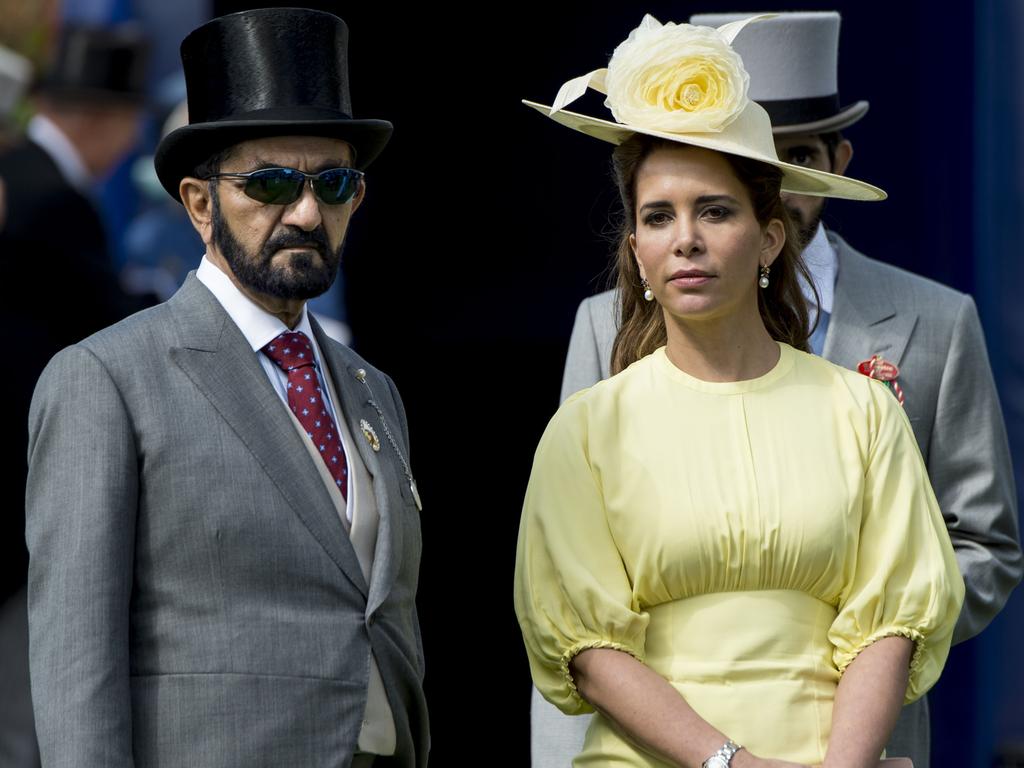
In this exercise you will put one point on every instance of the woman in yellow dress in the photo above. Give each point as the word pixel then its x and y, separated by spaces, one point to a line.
pixel 730 549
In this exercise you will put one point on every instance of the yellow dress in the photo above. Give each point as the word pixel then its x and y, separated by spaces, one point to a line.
pixel 743 539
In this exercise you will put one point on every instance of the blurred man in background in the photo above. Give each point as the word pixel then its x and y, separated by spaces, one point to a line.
pixel 60 277
pixel 87 115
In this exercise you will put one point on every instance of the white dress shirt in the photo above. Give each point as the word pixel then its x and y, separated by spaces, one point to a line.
pixel 820 258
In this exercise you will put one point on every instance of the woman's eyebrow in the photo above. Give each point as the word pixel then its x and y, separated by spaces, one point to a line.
pixel 702 200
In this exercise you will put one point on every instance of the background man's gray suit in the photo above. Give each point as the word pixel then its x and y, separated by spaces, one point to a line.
pixel 932 333
pixel 197 601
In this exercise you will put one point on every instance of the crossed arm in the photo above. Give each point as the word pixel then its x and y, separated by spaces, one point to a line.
pixel 653 715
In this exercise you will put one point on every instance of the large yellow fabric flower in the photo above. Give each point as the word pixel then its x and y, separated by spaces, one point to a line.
pixel 676 78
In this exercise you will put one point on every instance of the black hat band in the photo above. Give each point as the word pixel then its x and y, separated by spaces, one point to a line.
pixel 799 111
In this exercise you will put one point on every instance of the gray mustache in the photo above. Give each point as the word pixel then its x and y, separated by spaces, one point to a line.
pixel 316 238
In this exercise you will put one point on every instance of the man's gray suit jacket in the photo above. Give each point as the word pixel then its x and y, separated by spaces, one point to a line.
pixel 194 599
pixel 932 333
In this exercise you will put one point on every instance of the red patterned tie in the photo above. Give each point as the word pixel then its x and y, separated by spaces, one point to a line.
pixel 293 354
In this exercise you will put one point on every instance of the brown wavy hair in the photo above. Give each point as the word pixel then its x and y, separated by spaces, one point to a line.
pixel 782 304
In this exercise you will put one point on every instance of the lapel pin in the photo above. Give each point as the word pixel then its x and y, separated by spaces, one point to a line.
pixel 877 367
pixel 369 434
pixel 361 374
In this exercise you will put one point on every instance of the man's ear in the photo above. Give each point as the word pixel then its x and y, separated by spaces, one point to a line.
pixel 844 153
pixel 195 196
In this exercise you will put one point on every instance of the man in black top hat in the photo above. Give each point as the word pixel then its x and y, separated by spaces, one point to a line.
pixel 222 518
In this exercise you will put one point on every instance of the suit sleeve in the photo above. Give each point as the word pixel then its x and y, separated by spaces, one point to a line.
pixel 583 361
pixel 81 503
pixel 971 472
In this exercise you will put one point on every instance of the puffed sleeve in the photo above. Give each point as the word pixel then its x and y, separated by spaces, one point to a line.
pixel 903 578
pixel 572 591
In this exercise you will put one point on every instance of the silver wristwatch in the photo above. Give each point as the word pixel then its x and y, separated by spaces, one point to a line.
pixel 723 756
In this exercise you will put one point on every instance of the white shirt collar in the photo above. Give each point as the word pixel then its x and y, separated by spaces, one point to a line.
pixel 44 132
pixel 820 258
pixel 257 325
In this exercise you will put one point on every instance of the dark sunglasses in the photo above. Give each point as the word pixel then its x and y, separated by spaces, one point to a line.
pixel 283 186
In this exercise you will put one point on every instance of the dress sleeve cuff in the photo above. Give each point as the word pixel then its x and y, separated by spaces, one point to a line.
pixel 579 705
pixel 844 659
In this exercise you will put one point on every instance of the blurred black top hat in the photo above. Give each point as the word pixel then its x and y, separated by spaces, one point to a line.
pixel 98 64
pixel 260 73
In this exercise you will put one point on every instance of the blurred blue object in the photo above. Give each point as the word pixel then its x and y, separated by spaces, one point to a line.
pixel 94 11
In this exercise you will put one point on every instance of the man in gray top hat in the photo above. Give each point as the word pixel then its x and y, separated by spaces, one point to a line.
pixel 872 317
pixel 222 521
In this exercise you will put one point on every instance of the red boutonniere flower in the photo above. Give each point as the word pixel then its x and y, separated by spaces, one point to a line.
pixel 877 367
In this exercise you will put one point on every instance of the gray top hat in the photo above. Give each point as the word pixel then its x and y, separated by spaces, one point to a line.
pixel 792 60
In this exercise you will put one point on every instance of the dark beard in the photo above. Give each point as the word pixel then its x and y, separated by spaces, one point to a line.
pixel 303 279
pixel 805 229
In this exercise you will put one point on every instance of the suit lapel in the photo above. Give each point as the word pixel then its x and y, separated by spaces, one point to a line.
pixel 217 358
pixel 866 318
pixel 355 407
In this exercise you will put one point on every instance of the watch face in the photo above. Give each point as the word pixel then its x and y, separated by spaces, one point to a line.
pixel 716 761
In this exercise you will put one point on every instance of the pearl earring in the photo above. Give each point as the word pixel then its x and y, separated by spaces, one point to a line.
pixel 763 279
pixel 648 293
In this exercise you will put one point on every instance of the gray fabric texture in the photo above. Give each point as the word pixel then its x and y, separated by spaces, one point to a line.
pixel 18 747
pixel 193 596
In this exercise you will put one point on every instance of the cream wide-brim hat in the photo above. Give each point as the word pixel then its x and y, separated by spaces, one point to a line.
pixel 749 134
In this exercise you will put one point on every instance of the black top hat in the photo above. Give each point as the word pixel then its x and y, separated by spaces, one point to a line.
pixel 260 73
pixel 99 64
